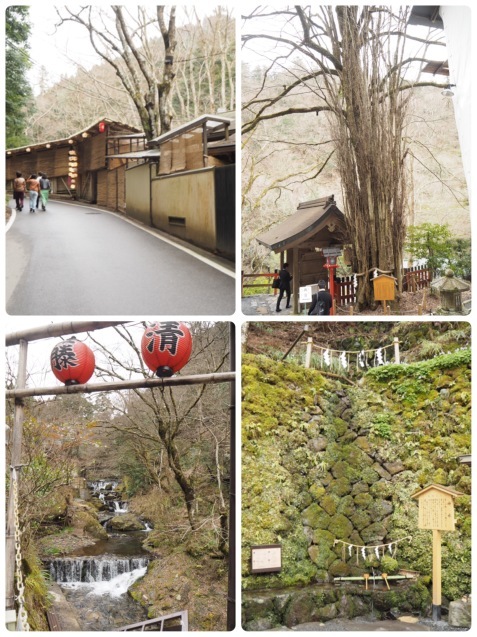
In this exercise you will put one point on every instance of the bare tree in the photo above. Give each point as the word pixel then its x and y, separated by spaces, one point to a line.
pixel 353 72
pixel 124 42
pixel 176 423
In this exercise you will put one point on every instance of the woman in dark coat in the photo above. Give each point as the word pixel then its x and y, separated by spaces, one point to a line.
pixel 285 281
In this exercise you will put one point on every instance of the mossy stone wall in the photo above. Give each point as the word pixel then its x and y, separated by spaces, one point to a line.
pixel 323 460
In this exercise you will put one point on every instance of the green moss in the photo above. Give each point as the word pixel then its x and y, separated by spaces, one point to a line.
pixel 360 520
pixel 389 565
pixel 37 599
pixel 317 491
pixel 329 503
pixel 363 500
pixel 340 487
pixel 315 517
pixel 341 527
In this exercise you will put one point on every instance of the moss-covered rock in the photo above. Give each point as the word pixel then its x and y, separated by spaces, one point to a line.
pixel 316 517
pixel 340 526
pixel 340 487
pixel 85 521
pixel 126 522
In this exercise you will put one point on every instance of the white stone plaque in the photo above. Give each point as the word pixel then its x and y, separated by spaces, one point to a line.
pixel 266 558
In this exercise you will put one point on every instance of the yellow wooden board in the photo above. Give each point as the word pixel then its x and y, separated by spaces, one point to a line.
pixel 384 288
pixel 436 511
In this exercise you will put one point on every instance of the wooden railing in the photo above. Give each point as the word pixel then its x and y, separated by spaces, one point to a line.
pixel 268 285
pixel 178 622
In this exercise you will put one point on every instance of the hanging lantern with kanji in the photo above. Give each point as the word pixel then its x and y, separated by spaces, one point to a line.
pixel 72 362
pixel 166 347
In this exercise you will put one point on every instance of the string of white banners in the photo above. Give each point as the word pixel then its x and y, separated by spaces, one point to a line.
pixel 379 357
pixel 379 550
pixel 355 276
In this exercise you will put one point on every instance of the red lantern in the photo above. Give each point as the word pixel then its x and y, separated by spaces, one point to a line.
pixel 166 347
pixel 102 127
pixel 72 362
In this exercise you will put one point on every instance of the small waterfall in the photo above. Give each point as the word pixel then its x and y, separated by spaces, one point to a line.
pixel 78 569
pixel 147 527
pixel 120 507
pixel 102 485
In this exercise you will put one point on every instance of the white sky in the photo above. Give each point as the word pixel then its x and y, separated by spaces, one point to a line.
pixel 56 49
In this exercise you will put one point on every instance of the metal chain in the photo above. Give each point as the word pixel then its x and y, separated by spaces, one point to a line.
pixel 22 614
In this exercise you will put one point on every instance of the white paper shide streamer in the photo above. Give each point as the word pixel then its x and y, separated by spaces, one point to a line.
pixel 379 356
pixel 343 360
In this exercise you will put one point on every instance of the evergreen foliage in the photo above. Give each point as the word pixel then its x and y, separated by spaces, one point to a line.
pixel 435 243
pixel 18 92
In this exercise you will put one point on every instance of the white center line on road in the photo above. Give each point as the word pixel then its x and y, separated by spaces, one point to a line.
pixel 154 233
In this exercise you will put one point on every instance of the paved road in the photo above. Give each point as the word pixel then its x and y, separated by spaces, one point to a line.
pixel 80 260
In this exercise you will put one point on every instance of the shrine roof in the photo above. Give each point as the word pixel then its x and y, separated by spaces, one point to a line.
pixel 309 218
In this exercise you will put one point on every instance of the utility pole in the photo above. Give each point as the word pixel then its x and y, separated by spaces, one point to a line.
pixel 15 461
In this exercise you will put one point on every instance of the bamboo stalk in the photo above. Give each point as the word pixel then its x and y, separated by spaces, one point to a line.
pixel 143 383
pixel 373 577
pixel 57 329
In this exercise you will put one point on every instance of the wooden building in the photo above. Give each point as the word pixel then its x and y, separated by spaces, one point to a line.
pixel 300 240
pixel 184 183
pixel 78 166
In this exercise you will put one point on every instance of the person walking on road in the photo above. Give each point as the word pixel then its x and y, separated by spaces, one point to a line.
pixel 33 187
pixel 285 280
pixel 19 187
pixel 45 188
pixel 40 175
pixel 321 302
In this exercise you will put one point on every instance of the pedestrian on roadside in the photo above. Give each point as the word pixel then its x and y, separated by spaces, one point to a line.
pixel 45 188
pixel 33 187
pixel 285 280
pixel 40 175
pixel 321 302
pixel 19 187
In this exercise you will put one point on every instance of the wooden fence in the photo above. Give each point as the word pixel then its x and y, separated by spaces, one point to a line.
pixel 416 278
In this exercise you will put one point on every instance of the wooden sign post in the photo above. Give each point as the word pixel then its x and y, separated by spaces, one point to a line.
pixel 383 287
pixel 436 513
